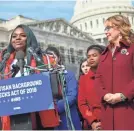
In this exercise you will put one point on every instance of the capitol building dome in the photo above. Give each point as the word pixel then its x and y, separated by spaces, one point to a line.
pixel 89 15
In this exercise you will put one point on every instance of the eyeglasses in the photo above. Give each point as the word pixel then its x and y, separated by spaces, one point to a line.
pixel 108 28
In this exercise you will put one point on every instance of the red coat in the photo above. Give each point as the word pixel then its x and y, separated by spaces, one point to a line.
pixel 116 75
pixel 87 98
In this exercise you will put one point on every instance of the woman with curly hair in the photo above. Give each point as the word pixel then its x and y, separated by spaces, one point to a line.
pixel 114 79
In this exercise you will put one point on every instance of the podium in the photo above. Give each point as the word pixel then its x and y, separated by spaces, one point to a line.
pixel 21 95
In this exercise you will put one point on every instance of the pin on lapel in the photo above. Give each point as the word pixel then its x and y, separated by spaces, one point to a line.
pixel 124 51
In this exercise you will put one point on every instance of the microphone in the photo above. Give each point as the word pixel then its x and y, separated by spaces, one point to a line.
pixel 15 70
pixel 20 57
pixel 5 57
pixel 31 50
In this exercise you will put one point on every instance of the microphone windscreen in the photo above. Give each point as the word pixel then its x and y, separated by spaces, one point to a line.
pixel 20 55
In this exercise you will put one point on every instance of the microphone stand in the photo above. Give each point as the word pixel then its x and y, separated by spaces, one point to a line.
pixel 66 104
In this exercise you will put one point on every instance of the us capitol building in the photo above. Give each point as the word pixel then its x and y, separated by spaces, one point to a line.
pixel 89 15
pixel 71 38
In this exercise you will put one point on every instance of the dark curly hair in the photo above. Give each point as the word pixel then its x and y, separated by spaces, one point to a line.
pixel 99 48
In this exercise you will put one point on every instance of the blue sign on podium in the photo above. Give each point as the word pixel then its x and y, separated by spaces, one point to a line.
pixel 26 94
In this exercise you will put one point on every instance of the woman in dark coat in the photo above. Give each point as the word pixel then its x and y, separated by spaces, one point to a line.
pixel 114 79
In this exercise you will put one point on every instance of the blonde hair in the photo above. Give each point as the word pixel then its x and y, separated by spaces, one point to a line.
pixel 124 27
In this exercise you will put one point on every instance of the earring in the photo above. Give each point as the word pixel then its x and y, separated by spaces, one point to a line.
pixel 120 36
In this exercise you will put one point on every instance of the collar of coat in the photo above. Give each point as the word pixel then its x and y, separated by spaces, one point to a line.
pixel 91 74
pixel 122 44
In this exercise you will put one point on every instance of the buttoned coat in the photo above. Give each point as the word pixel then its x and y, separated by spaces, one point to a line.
pixel 87 98
pixel 115 74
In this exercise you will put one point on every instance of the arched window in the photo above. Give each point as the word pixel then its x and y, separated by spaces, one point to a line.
pixel 62 53
pixel 85 26
pixel 97 22
pixel 72 55
pixel 91 24
pixel 80 55
pixel 103 20
pixel 80 27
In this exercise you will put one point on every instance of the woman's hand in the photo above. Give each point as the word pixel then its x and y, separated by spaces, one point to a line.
pixel 108 97
pixel 96 126
pixel 113 98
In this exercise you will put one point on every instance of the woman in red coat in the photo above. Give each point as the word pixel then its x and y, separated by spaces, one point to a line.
pixel 87 99
pixel 114 80
pixel 83 70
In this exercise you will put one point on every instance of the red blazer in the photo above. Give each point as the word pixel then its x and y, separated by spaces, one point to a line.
pixel 88 102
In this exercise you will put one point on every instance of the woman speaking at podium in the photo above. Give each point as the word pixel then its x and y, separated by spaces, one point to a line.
pixel 21 40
